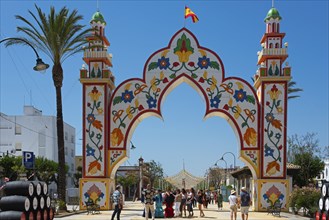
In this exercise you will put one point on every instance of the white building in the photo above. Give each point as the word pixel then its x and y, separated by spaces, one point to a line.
pixel 37 133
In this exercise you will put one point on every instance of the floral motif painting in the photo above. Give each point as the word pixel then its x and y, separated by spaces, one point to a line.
pixel 94 190
pixel 94 131
pixel 185 59
pixel 274 129
pixel 273 191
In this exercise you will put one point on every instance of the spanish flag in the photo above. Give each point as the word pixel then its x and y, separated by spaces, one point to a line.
pixel 190 13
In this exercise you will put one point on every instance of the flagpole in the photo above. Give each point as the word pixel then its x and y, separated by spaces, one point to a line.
pixel 184 17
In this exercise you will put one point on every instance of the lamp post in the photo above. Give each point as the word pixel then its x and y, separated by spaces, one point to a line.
pixel 40 65
pixel 225 167
pixel 141 164
pixel 222 158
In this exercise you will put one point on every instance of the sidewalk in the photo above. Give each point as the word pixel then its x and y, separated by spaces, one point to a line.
pixel 134 210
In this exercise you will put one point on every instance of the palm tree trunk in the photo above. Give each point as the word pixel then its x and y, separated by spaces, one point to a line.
pixel 58 81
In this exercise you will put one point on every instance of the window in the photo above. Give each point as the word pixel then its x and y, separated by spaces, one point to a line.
pixel 66 138
pixel 72 139
pixel 277 45
pixel 18 130
pixel 72 167
pixel 65 150
pixel 18 146
pixel 72 153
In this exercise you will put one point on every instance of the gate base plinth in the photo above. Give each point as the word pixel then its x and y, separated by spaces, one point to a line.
pixel 270 191
pixel 97 190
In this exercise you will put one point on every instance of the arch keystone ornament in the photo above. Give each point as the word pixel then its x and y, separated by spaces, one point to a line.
pixel 257 113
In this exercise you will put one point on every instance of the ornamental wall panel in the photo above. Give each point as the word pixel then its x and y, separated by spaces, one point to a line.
pixel 94 126
pixel 272 191
pixel 274 129
pixel 97 191
pixel 184 60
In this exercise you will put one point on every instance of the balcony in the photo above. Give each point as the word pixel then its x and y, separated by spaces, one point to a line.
pixel 273 52
pixel 96 55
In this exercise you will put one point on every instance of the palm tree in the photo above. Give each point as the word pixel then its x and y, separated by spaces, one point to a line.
pixel 293 90
pixel 59 36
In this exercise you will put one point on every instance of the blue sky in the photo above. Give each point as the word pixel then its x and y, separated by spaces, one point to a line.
pixel 136 29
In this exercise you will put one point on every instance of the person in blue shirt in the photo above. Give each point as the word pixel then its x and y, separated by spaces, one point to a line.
pixel 245 203
pixel 118 202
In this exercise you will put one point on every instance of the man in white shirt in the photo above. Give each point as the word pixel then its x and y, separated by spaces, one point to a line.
pixel 233 200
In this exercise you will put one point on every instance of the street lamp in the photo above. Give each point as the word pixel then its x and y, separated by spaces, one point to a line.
pixel 225 167
pixel 40 66
pixel 222 158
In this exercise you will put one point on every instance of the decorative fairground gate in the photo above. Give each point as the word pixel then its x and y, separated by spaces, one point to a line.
pixel 257 114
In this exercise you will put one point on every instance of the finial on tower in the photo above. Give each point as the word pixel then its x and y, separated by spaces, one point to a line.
pixel 272 3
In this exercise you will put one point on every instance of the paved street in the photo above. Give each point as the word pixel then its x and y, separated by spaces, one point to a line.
pixel 133 211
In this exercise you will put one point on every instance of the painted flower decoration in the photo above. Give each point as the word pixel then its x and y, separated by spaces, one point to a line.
pixel 116 137
pixel 94 167
pixel 94 193
pixel 90 151
pixel 91 118
pixel 94 94
pixel 183 49
pixel 204 62
pixel 272 168
pixel 269 117
pixel 250 137
pixel 214 102
pixel 152 102
pixel 163 63
pixel 240 95
pixel 127 96
pixel 273 194
pixel 95 123
pixel 274 93
pixel 268 151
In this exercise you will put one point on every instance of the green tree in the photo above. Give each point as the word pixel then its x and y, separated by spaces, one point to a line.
pixel 304 151
pixel 77 176
pixel 12 167
pixel 215 175
pixel 59 36
pixel 45 169
pixel 155 171
pixel 292 90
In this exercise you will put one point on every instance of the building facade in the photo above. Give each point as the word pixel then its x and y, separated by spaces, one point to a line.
pixel 36 133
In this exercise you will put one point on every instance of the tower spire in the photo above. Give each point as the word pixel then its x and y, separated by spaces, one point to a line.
pixel 272 3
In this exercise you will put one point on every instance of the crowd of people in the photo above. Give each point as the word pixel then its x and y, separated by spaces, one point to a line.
pixel 181 202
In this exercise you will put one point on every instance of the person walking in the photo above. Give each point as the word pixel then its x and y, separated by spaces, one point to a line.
pixel 178 201
pixel 201 200
pixel 118 202
pixel 233 201
pixel 169 201
pixel 183 203
pixel 148 201
pixel 220 201
pixel 158 205
pixel 245 203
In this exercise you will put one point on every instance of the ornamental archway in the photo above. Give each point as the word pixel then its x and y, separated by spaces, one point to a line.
pixel 256 113
pixel 184 60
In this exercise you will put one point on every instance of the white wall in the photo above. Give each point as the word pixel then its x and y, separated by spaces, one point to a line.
pixel 37 133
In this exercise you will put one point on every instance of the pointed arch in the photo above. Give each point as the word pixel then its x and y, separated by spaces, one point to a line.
pixel 184 60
